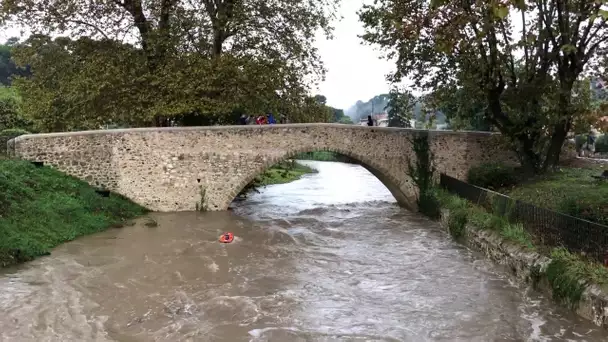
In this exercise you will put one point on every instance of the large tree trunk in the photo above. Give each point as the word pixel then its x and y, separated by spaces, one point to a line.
pixel 561 129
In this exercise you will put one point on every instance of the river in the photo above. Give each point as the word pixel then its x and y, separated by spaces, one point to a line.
pixel 329 257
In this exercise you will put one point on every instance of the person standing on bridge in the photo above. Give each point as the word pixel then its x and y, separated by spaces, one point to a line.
pixel 271 119
pixel 370 122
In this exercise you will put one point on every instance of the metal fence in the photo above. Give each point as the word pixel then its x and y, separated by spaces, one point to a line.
pixel 549 228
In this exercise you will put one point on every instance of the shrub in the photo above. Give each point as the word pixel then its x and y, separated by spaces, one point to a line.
pixel 429 205
pixel 8 134
pixel 579 141
pixel 586 205
pixel 492 176
pixel 601 144
pixel 565 273
pixel 457 222
pixel 517 233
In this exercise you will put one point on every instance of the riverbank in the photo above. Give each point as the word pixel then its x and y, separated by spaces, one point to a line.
pixel 571 191
pixel 284 172
pixel 325 156
pixel 574 191
pixel 41 208
pixel 571 280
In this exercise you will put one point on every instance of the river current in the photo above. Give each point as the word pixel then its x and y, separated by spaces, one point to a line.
pixel 329 257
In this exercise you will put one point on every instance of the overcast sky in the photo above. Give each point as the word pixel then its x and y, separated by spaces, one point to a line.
pixel 354 71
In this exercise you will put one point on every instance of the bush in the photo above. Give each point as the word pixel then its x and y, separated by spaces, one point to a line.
pixel 7 135
pixel 579 141
pixel 587 206
pixel 565 273
pixel 457 222
pixel 492 176
pixel 429 205
pixel 601 144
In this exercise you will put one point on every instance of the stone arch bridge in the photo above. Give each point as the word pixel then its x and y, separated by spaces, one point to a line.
pixel 182 168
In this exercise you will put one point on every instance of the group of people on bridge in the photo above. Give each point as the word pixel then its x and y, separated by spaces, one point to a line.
pixel 268 119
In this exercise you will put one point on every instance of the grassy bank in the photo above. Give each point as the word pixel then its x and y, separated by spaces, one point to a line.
pixel 571 191
pixel 568 274
pixel 41 208
pixel 284 172
pixel 325 156
pixel 463 212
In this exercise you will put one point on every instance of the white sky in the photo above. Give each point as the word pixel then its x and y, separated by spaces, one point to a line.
pixel 354 71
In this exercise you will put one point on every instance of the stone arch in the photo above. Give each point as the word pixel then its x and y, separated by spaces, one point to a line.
pixel 403 198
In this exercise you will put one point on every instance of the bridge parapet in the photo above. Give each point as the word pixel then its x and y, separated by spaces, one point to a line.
pixel 169 169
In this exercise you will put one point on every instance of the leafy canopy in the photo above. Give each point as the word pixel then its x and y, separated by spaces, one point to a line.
pixel 135 63
pixel 521 62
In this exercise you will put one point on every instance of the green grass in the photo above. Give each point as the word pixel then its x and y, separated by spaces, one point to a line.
pixel 284 172
pixel 571 191
pixel 324 156
pixel 466 212
pixel 569 274
pixel 281 173
pixel 41 208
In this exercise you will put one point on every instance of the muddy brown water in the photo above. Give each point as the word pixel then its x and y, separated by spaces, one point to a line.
pixel 327 258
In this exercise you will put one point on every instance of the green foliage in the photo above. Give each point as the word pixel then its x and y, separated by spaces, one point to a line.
pixel 422 172
pixel 492 175
pixel 400 106
pixel 429 205
pixel 10 113
pixel 6 135
pixel 517 233
pixel 8 69
pixel 41 208
pixel 507 73
pixel 325 156
pixel 572 191
pixel 568 275
pixel 457 222
pixel 281 173
pixel 601 144
pixel 191 62
pixel 480 218
pixel 464 108
pixel 423 169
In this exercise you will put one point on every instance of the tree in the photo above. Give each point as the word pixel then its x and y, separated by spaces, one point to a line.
pixel 463 108
pixel 176 58
pixel 526 81
pixel 375 105
pixel 10 115
pixel 8 69
pixel 346 120
pixel 400 108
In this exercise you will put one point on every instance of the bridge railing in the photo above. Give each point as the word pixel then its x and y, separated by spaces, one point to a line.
pixel 548 227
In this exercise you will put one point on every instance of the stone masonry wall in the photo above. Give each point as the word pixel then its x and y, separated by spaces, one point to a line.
pixel 182 168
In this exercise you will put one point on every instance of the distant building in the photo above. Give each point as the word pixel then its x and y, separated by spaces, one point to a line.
pixel 380 120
